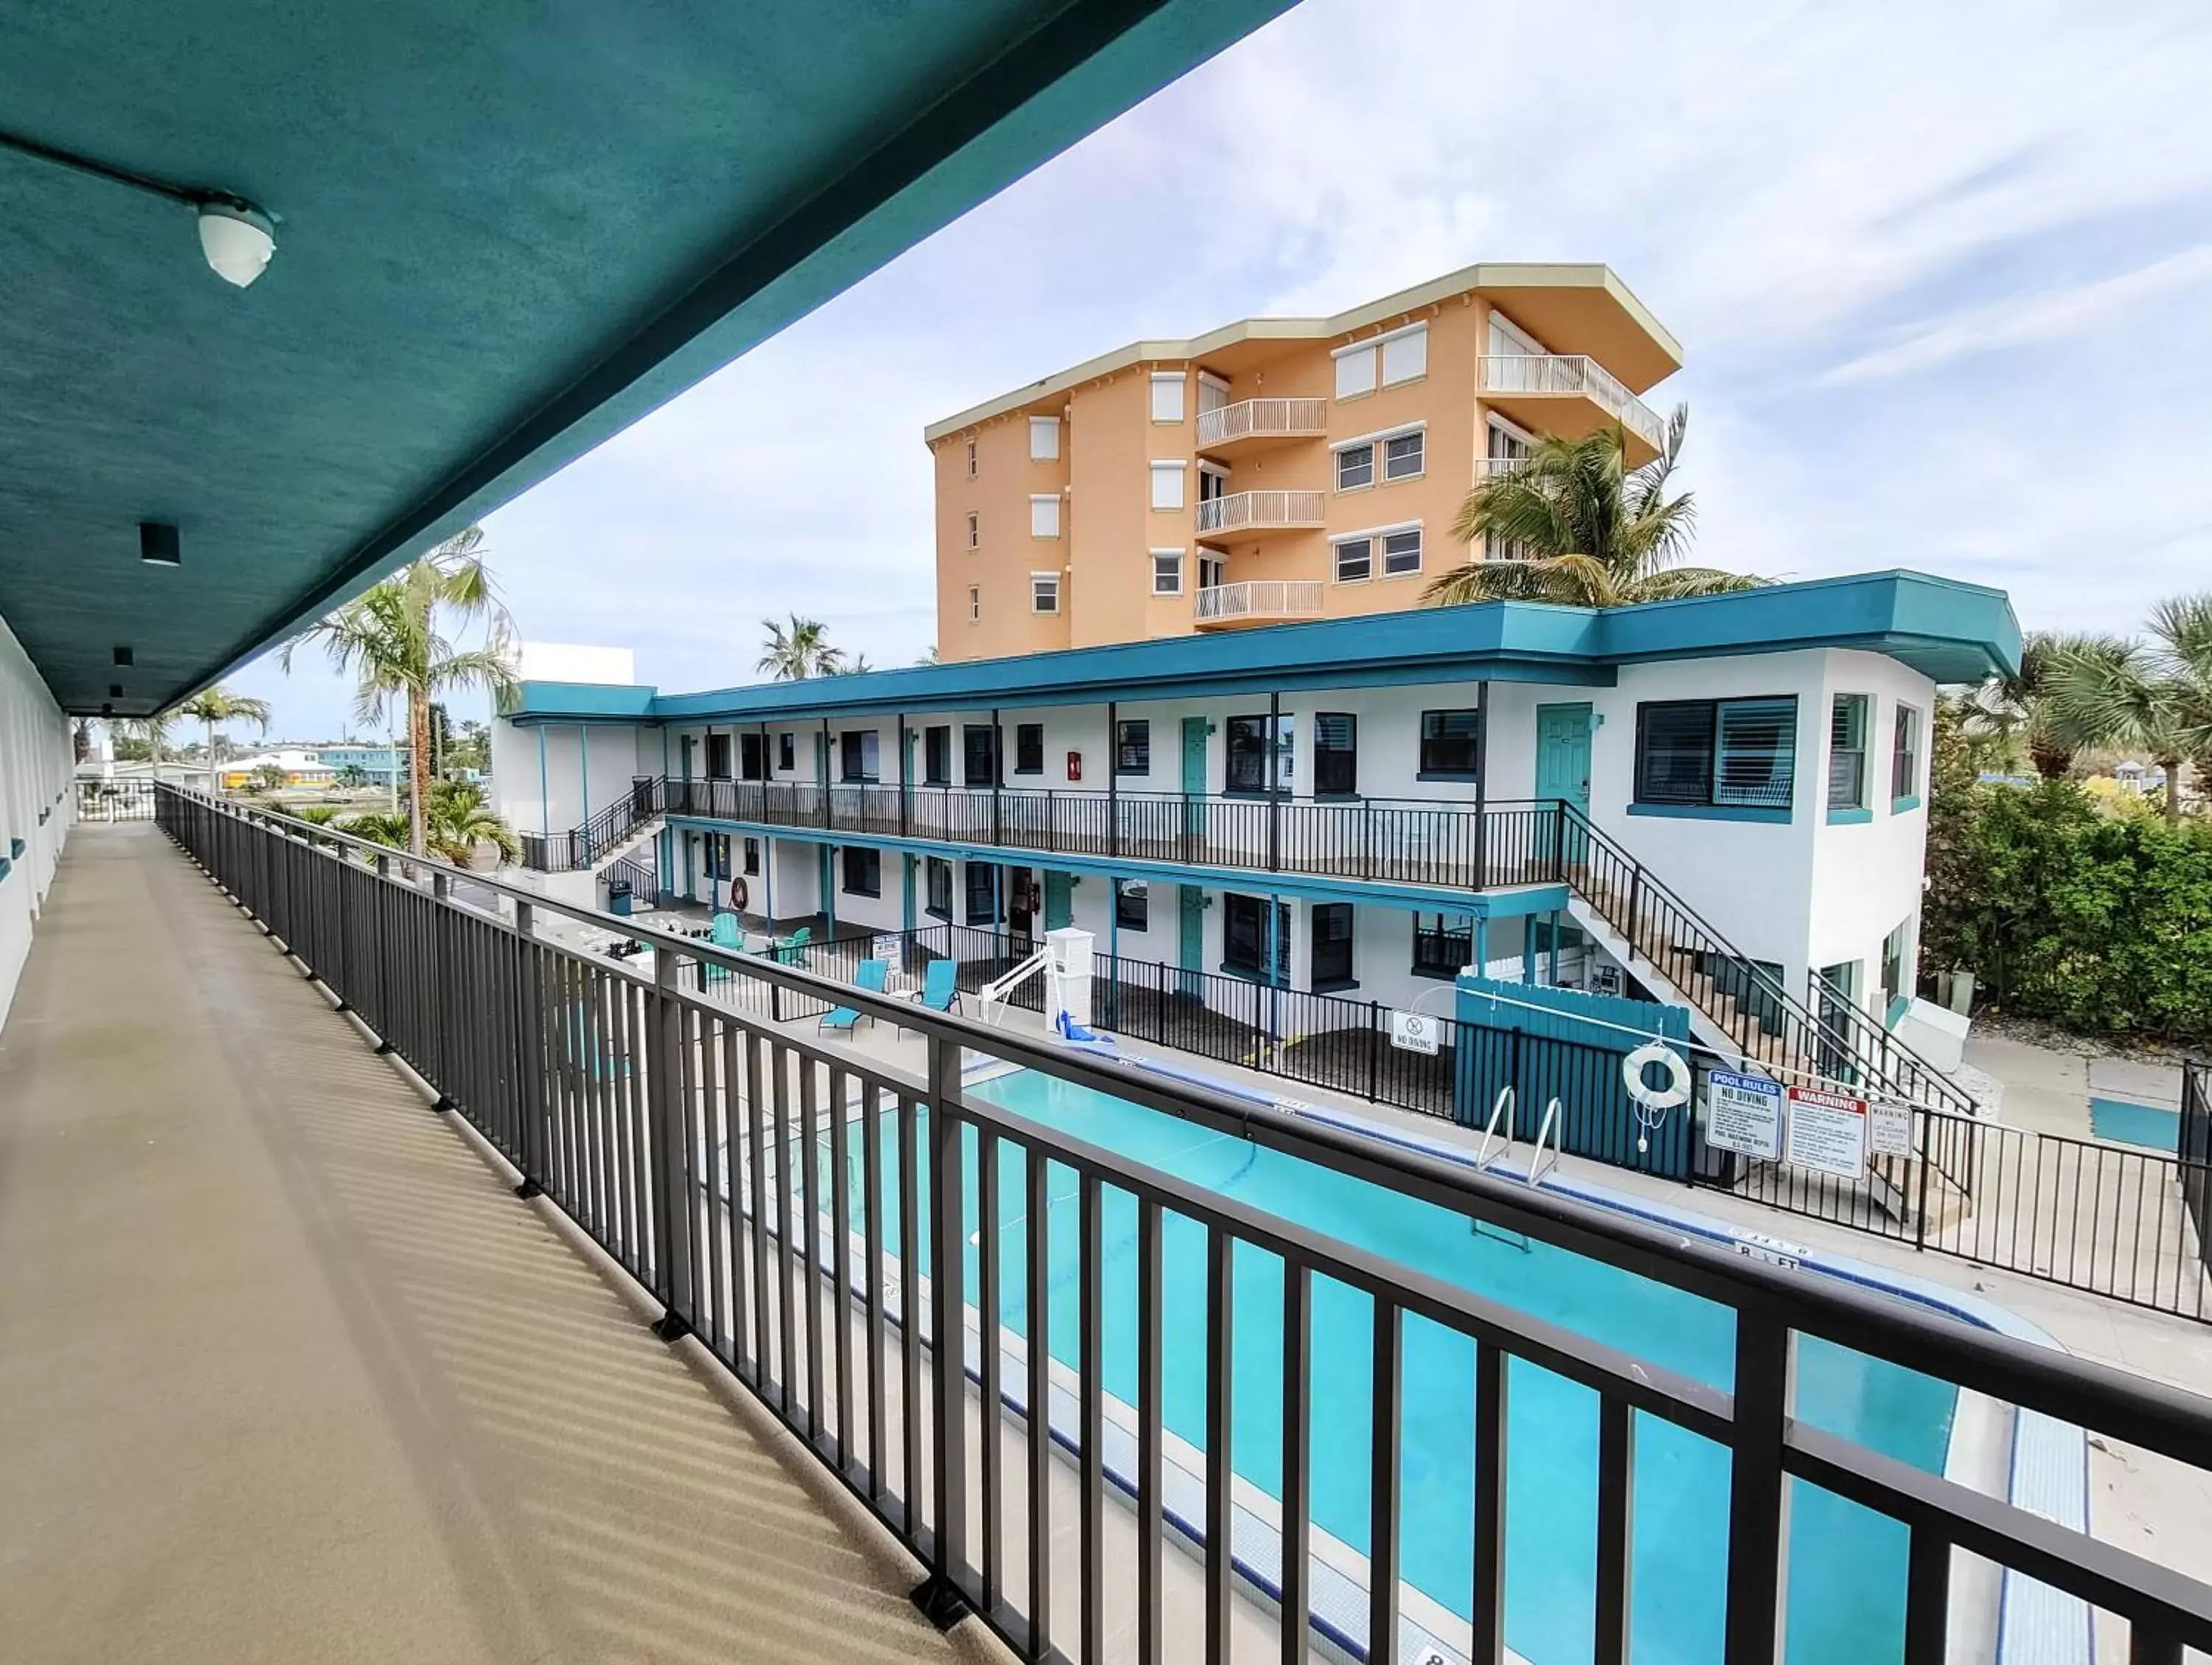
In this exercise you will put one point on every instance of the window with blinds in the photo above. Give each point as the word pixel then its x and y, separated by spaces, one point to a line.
pixel 1405 355
pixel 1716 753
pixel 1336 754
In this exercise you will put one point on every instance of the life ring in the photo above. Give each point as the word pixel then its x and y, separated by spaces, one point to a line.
pixel 739 896
pixel 1677 1090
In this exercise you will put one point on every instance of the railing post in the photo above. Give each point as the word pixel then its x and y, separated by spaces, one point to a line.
pixel 944 1597
pixel 1636 905
pixel 1374 1051
pixel 1275 798
pixel 1560 841
pixel 1758 1492
pixel 668 1126
pixel 1113 795
pixel 530 1020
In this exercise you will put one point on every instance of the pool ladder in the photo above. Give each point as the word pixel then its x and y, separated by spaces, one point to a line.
pixel 1551 1131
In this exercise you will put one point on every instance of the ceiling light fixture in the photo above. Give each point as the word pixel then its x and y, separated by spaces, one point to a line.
pixel 237 237
pixel 122 656
pixel 158 544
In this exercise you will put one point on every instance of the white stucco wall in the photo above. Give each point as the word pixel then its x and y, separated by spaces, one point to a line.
pixel 38 804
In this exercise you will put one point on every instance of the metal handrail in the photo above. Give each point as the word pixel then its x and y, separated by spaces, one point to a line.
pixel 1646 895
pixel 1259 597
pixel 623 1045
pixel 1569 373
pixel 1283 418
pixel 1277 507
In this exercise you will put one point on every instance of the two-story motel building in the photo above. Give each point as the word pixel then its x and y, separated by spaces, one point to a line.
pixel 1759 758
pixel 1273 469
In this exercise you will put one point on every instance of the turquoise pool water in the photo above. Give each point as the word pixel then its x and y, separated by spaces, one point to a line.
pixel 2153 1126
pixel 1846 1599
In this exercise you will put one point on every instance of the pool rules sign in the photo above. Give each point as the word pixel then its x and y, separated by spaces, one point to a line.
pixel 1827 1133
pixel 1743 1114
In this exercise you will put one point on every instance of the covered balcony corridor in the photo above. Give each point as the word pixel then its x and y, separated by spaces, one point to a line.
pixel 288 1373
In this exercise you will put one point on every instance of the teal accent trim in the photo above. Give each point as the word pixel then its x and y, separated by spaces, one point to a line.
pixel 1712 812
pixel 15 848
pixel 6 867
pixel 1899 805
pixel 1949 631
pixel 1494 904
pixel 1899 1006
pixel 1849 818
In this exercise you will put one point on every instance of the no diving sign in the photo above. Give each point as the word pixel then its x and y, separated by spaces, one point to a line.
pixel 1413 1031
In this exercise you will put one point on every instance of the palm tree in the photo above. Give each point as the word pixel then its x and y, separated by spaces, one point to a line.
pixel 803 651
pixel 928 655
pixel 393 638
pixel 2155 695
pixel 1586 529
pixel 2017 710
pixel 857 665
pixel 154 731
pixel 461 820
pixel 211 706
pixel 379 827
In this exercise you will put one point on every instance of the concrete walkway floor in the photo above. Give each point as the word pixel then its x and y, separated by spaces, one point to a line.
pixel 286 1374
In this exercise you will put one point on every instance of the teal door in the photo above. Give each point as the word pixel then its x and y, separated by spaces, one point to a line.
pixel 1191 938
pixel 1563 753
pixel 1059 900
pixel 1563 768
pixel 1193 787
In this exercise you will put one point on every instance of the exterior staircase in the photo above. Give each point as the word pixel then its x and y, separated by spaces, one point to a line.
pixel 1737 1008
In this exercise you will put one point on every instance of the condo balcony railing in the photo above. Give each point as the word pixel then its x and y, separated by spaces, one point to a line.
pixel 1255 419
pixel 1260 598
pixel 1571 373
pixel 1499 468
pixel 1247 511
pixel 858 1237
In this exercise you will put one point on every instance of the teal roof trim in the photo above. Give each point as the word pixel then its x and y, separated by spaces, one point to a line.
pixel 1948 631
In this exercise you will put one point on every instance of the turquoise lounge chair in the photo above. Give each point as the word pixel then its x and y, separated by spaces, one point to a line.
pixel 792 949
pixel 728 933
pixel 941 986
pixel 870 977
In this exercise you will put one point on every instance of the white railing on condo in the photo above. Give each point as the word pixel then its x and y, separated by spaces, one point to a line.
pixel 1263 598
pixel 1260 509
pixel 1285 418
pixel 1497 468
pixel 1552 373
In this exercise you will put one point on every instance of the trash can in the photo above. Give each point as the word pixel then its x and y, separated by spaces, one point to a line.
pixel 618 898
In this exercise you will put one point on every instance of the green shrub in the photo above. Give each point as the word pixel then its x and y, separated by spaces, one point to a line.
pixel 2101 925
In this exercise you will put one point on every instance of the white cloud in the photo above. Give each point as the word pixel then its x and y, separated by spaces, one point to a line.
pixel 1843 212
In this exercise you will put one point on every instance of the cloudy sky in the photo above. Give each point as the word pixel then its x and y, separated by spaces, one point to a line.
pixel 1942 276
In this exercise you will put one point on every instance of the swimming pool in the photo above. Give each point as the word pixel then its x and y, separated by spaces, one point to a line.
pixel 1845 1603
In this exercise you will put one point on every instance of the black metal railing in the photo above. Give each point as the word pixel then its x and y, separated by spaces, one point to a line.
pixel 697 1147
pixel 1433 843
pixel 115 800
pixel 580 846
pixel 2194 1152
pixel 1763 1020
pixel 630 881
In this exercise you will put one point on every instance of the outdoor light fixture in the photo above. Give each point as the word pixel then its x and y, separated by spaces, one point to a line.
pixel 158 544
pixel 107 710
pixel 122 656
pixel 237 237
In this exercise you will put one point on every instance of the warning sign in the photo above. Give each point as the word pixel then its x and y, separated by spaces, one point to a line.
pixel 1743 1113
pixel 1827 1133
pixel 1889 1129
pixel 1413 1031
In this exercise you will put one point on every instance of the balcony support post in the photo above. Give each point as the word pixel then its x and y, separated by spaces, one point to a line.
pixel 1113 770
pixel 667 1107
pixel 906 786
pixel 1274 797
pixel 823 773
pixel 1481 786
pixel 998 775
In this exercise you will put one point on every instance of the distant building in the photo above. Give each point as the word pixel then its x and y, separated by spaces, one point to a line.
pixel 380 764
pixel 1273 469
pixel 299 768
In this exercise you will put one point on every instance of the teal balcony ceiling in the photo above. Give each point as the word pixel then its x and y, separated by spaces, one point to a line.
pixel 503 231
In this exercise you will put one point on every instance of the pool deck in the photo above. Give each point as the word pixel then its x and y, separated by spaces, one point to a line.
pixel 2138 1500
